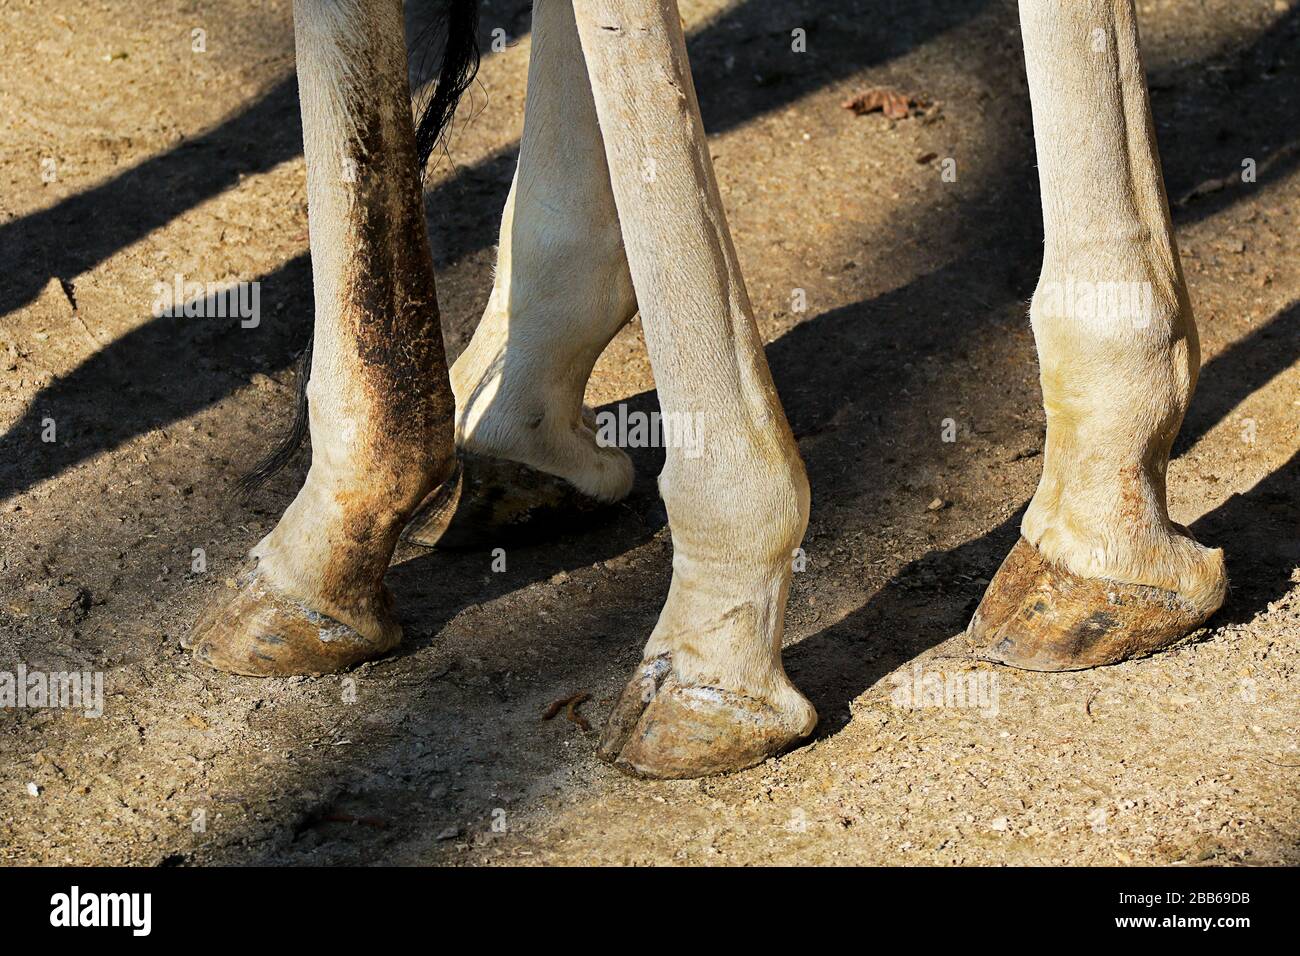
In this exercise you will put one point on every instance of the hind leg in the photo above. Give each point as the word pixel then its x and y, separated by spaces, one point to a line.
pixel 1101 574
pixel 711 694
pixel 561 292
pixel 312 599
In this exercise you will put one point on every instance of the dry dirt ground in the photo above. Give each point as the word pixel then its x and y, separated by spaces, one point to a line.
pixel 161 160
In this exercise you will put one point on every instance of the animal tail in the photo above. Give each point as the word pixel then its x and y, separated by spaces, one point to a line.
pixel 460 61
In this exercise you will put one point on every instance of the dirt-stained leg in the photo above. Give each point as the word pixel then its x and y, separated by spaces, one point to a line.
pixel 1101 574
pixel 312 598
pixel 711 694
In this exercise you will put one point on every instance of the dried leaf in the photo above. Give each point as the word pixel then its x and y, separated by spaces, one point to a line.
pixel 894 104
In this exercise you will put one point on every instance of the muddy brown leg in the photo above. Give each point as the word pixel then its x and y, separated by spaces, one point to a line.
pixel 312 598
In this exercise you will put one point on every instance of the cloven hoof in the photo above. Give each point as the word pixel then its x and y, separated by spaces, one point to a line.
pixel 1041 617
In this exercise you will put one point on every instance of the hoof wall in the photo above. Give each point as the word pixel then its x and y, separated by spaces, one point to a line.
pixel 490 501
pixel 662 729
pixel 1041 617
pixel 259 632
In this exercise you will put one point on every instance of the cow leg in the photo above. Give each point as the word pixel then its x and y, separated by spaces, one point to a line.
pixel 711 694
pixel 312 600
pixel 1101 574
pixel 561 292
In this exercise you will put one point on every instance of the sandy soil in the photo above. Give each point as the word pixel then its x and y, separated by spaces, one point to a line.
pixel 169 161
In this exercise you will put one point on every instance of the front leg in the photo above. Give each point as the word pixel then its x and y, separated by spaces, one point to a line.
pixel 711 694
pixel 1101 574
pixel 381 409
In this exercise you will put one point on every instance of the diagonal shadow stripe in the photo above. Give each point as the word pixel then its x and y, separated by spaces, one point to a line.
pixel 81 231
pixel 1211 116
pixel 1236 372
pixel 151 372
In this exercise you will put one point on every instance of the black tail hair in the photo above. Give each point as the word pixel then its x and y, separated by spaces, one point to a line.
pixel 288 445
pixel 460 62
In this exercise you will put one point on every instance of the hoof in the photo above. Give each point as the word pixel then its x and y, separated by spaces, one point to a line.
pixel 259 632
pixel 490 501
pixel 1040 617
pixel 662 729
